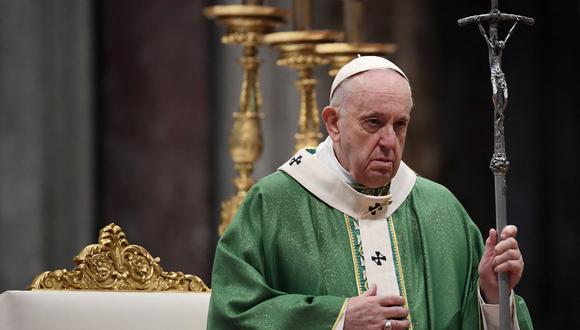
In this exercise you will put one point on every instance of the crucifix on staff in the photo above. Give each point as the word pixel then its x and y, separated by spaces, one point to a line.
pixel 499 162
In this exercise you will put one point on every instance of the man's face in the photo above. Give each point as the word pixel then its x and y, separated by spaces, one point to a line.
pixel 370 129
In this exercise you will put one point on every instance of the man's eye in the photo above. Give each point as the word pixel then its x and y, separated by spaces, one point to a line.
pixel 373 122
pixel 401 124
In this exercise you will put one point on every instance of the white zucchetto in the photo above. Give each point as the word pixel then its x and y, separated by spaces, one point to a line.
pixel 362 64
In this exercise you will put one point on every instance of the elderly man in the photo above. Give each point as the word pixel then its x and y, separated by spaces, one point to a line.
pixel 348 236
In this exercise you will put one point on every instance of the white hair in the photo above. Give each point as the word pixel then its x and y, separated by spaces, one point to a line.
pixel 340 95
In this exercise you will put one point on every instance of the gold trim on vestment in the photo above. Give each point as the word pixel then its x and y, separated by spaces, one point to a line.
pixel 400 267
pixel 340 314
pixel 479 308
pixel 353 252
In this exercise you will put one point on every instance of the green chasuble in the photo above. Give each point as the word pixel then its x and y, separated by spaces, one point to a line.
pixel 289 260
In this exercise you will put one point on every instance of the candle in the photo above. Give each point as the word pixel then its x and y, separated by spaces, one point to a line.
pixel 352 14
pixel 302 18
pixel 252 2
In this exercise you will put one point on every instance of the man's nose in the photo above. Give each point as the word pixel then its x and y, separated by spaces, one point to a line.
pixel 388 138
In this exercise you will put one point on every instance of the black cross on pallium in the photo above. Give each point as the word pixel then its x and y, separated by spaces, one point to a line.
pixel 296 160
pixel 373 209
pixel 378 258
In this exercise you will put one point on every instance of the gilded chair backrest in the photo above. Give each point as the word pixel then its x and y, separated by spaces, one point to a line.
pixel 114 264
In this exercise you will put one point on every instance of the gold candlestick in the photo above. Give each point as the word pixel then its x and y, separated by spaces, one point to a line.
pixel 245 25
pixel 297 52
pixel 302 15
pixel 338 54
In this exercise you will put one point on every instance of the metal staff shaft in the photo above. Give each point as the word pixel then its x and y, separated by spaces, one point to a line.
pixel 503 278
pixel 499 163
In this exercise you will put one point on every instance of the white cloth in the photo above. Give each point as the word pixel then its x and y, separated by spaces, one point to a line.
pixel 314 176
pixel 326 154
pixel 490 313
pixel 97 310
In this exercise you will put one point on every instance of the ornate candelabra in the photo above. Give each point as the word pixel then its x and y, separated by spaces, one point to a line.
pixel 245 25
pixel 338 54
pixel 297 51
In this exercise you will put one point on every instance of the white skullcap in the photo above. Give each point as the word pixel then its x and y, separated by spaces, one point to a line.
pixel 362 64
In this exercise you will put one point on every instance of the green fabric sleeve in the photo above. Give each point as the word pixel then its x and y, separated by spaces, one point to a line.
pixel 472 318
pixel 524 318
pixel 243 297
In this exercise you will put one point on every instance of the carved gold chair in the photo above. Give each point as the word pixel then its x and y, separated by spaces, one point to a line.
pixel 114 264
pixel 114 285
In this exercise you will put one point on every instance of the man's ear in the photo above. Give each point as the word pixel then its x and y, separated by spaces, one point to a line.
pixel 330 117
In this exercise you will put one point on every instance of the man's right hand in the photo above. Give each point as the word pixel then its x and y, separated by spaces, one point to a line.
pixel 369 311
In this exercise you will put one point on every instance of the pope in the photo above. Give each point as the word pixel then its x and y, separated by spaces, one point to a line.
pixel 348 236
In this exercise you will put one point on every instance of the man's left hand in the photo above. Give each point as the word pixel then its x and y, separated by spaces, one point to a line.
pixel 501 257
